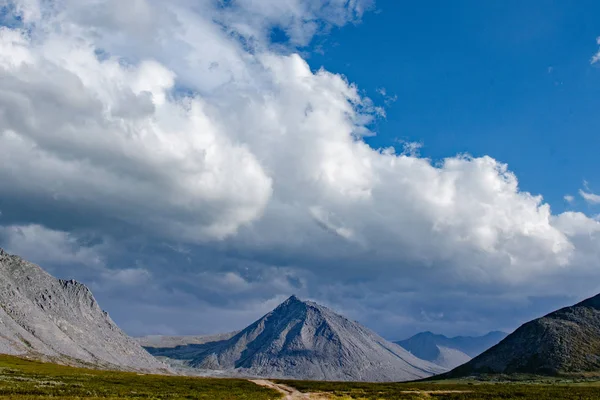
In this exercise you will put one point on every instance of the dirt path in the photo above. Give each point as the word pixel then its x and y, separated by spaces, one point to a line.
pixel 289 393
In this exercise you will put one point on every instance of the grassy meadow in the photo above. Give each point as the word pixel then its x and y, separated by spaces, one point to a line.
pixel 465 390
pixel 28 380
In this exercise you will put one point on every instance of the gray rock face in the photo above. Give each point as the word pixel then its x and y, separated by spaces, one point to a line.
pixel 58 320
pixel 449 352
pixel 449 358
pixel 565 341
pixel 303 340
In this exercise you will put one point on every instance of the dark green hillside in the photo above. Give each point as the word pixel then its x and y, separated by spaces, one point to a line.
pixel 566 341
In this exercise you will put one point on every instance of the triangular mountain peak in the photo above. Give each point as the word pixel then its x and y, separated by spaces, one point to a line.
pixel 293 304
pixel 304 340
pixel 292 300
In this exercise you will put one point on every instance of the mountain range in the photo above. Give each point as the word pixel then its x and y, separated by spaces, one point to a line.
pixel 566 341
pixel 449 352
pixel 59 320
pixel 304 340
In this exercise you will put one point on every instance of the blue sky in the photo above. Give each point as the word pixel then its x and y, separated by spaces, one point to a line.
pixel 196 164
pixel 510 79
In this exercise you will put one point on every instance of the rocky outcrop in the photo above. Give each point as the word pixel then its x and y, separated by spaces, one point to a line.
pixel 59 320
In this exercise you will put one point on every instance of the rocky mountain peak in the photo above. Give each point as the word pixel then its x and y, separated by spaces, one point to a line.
pixel 60 320
pixel 304 340
pixel 292 301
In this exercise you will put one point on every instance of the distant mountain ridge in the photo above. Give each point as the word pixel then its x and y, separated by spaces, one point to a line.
pixel 304 340
pixel 166 341
pixel 562 342
pixel 59 320
pixel 449 352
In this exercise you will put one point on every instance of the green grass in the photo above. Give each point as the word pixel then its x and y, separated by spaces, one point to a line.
pixel 27 380
pixel 458 390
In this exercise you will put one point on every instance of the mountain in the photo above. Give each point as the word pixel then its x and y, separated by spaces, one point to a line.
pixel 564 341
pixel 304 340
pixel 161 341
pixel 449 358
pixel 449 352
pixel 58 320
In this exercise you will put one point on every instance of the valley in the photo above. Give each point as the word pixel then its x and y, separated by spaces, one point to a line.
pixel 22 379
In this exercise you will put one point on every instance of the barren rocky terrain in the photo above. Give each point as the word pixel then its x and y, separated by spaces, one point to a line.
pixel 59 320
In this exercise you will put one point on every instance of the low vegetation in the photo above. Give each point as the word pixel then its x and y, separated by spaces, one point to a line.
pixel 27 380
pixel 458 390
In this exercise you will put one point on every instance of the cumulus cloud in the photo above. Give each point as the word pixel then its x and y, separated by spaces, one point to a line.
pixel 113 137
pixel 301 20
pixel 186 125
pixel 66 252
pixel 48 246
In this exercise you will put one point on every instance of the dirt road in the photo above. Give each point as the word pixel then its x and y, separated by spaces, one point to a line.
pixel 289 393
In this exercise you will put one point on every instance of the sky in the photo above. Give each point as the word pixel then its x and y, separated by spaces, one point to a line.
pixel 412 165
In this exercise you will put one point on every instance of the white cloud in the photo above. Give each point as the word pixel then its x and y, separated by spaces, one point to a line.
pixel 43 245
pixel 127 276
pixel 596 56
pixel 325 220
pixel 111 136
pixel 56 250
pixel 116 138
pixel 300 19
pixel 569 199
pixel 388 99
pixel 411 148
pixel 590 197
